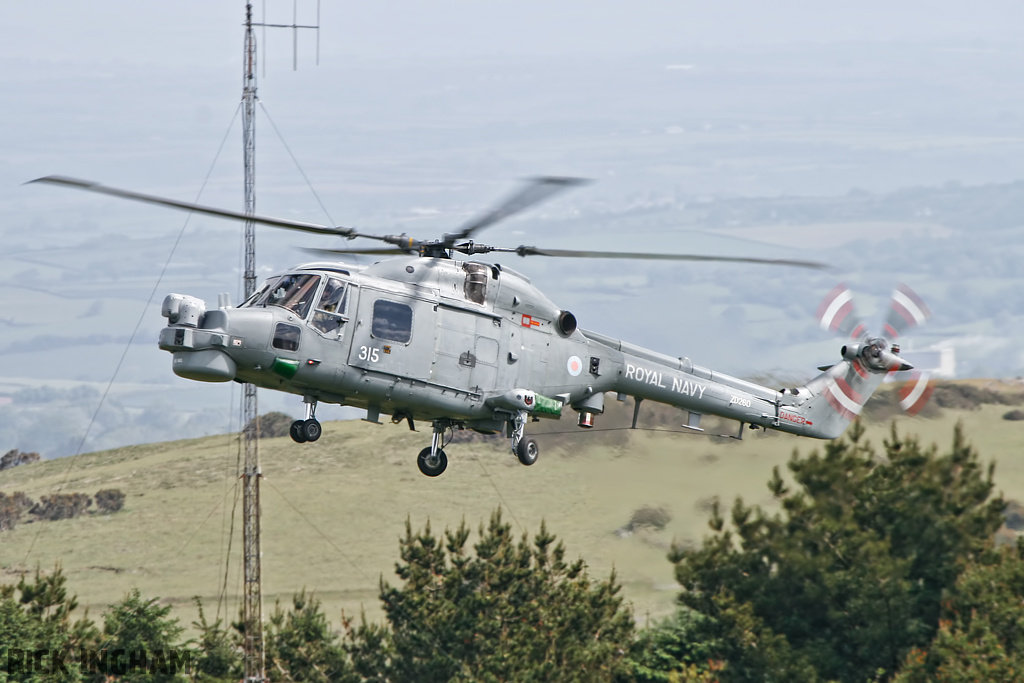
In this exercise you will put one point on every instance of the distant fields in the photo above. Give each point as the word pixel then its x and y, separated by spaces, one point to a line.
pixel 333 510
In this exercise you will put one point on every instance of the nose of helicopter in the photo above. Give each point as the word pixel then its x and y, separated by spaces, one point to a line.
pixel 207 345
pixel 206 365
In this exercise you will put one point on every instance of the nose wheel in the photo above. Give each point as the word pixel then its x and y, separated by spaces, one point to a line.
pixel 309 429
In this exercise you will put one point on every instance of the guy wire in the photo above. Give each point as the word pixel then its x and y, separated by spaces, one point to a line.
pixel 138 324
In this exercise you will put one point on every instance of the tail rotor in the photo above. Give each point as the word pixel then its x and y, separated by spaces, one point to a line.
pixel 879 354
pixel 838 314
pixel 906 310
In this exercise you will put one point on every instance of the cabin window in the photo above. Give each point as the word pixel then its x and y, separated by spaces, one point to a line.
pixel 392 321
pixel 476 282
pixel 294 292
pixel 286 337
pixel 327 319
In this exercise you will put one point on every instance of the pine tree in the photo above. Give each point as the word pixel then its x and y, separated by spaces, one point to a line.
pixel 302 647
pixel 137 625
pixel 851 573
pixel 40 619
pixel 981 633
pixel 506 611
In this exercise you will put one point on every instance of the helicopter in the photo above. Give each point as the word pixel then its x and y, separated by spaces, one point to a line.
pixel 435 335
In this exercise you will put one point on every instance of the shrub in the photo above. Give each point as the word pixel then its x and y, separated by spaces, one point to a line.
pixel 14 457
pixel 274 424
pixel 650 516
pixel 1013 515
pixel 1014 415
pixel 969 397
pixel 61 506
pixel 12 507
pixel 109 500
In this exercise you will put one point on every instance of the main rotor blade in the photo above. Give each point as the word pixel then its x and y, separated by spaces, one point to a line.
pixel 197 208
pixel 536 191
pixel 571 253
pixel 383 251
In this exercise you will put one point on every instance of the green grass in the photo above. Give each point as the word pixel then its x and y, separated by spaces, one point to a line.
pixel 333 510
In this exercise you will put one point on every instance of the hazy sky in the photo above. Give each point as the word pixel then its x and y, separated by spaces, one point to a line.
pixel 192 31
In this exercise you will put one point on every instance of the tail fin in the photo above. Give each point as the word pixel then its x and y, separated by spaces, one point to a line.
pixel 836 397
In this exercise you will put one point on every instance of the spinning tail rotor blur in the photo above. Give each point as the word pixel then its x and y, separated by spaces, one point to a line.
pixel 837 313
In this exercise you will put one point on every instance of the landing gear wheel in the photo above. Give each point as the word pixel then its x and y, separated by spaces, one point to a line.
pixel 297 432
pixel 435 468
pixel 312 430
pixel 527 451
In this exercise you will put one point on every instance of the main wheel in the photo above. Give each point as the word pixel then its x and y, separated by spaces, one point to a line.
pixel 435 468
pixel 311 430
pixel 527 451
pixel 297 432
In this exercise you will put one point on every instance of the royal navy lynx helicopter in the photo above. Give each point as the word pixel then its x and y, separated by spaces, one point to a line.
pixel 435 335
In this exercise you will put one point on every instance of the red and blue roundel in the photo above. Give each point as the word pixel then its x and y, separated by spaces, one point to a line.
pixel 574 366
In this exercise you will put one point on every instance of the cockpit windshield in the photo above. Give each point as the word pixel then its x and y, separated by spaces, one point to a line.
pixel 294 292
pixel 259 295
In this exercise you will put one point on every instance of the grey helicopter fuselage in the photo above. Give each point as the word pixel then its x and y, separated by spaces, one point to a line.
pixel 474 345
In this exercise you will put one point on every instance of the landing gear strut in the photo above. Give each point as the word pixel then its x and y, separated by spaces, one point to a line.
pixel 526 449
pixel 309 429
pixel 432 461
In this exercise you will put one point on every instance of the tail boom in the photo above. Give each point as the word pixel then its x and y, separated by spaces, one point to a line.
pixel 822 409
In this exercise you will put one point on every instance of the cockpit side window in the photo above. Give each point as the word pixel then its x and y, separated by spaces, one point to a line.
pixel 328 317
pixel 294 292
pixel 286 337
pixel 333 299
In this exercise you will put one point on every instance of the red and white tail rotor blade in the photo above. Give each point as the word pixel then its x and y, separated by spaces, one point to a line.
pixel 915 393
pixel 906 309
pixel 837 313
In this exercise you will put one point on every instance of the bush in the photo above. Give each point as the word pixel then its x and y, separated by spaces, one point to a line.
pixel 61 506
pixel 109 500
pixel 958 396
pixel 13 458
pixel 12 507
pixel 274 424
pixel 1013 515
pixel 650 516
pixel 1014 415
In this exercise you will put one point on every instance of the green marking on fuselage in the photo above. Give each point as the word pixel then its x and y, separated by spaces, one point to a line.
pixel 285 367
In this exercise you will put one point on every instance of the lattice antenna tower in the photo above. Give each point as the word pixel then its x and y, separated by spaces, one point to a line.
pixel 252 610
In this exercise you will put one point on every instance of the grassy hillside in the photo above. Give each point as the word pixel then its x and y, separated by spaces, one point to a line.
pixel 333 510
